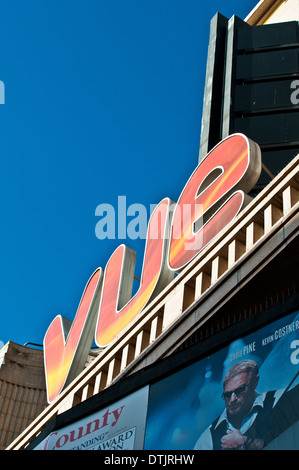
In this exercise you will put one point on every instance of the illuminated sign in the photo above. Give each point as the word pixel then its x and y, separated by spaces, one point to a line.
pixel 116 310
pixel 213 196
pixel 66 345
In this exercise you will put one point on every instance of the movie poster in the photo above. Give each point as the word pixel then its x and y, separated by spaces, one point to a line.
pixel 117 427
pixel 242 397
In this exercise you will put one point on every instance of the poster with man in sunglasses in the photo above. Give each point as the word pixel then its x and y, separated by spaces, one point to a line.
pixel 244 395
pixel 250 419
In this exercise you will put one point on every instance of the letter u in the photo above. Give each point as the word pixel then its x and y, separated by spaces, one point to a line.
pixel 117 308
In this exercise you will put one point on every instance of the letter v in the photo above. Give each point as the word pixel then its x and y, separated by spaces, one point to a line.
pixel 66 345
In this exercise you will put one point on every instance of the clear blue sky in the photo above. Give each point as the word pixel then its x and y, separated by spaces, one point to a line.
pixel 102 99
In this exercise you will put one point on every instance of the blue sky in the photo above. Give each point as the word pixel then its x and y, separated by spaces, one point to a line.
pixel 102 99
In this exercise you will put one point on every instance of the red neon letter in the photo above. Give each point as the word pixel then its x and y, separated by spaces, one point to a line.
pixel 116 309
pixel 66 345
pixel 213 197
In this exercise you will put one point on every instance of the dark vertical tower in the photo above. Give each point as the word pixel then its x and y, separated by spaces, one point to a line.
pixel 250 78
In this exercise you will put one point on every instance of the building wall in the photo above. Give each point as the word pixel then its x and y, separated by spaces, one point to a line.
pixel 22 390
pixel 250 78
pixel 286 11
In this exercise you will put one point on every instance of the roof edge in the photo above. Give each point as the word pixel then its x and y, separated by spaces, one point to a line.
pixel 262 11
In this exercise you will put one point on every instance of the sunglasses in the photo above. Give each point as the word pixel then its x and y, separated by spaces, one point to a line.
pixel 238 391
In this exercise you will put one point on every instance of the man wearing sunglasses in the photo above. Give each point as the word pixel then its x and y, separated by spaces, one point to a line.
pixel 250 419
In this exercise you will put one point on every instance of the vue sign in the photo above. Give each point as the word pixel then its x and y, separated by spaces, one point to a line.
pixel 213 196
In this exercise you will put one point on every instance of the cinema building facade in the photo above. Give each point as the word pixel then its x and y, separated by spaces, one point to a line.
pixel 222 332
